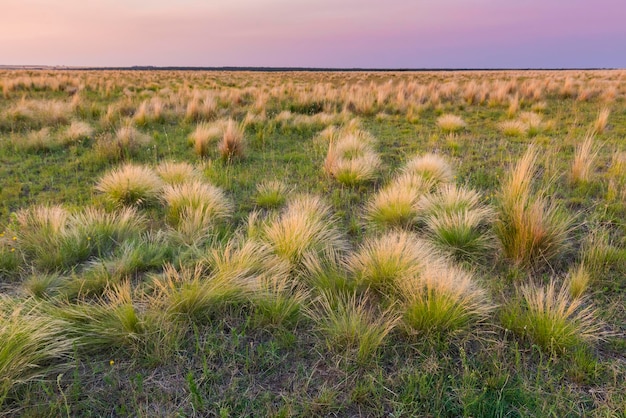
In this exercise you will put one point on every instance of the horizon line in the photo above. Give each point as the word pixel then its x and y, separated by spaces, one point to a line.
pixel 292 69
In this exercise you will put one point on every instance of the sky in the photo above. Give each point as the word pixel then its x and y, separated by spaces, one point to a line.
pixel 315 33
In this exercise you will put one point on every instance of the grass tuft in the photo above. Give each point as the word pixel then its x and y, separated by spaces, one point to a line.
pixel 548 317
pixel 130 185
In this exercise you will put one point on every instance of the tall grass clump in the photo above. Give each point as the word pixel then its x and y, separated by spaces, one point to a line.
pixel 125 143
pixel 548 317
pixel 531 229
pixel 351 159
pixel 350 326
pixel 271 194
pixel 207 200
pixel 457 222
pixel 601 121
pixel 584 160
pixel 304 228
pixel 37 141
pixel 432 167
pixel 513 128
pixel 77 131
pixel 130 185
pixel 381 262
pixel 232 146
pixel 617 177
pixel 190 293
pixel 205 135
pixel 451 123
pixel 111 321
pixel 396 205
pixel 104 231
pixel 578 280
pixel 32 345
pixel 44 236
pixel 174 173
pixel 441 300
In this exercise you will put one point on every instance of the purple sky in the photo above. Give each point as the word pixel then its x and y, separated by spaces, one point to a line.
pixel 315 33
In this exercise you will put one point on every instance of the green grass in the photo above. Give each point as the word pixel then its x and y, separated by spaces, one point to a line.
pixel 429 278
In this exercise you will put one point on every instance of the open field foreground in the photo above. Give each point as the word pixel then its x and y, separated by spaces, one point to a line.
pixel 313 243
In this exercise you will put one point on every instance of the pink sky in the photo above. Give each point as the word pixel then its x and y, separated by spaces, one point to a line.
pixel 315 33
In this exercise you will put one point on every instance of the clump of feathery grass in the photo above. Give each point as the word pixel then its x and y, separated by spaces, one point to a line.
pixel 104 231
pixel 441 300
pixel 578 280
pixel 112 320
pixel 271 194
pixel 37 141
pixel 530 228
pixel 532 121
pixel 173 173
pixel 456 221
pixel 33 344
pixel 207 200
pixel 232 146
pixel 205 135
pixel 130 185
pixel 584 159
pixel 381 262
pixel 513 128
pixel 201 108
pixel 396 205
pixel 351 159
pixel 432 167
pixel 350 327
pixel 597 252
pixel 548 317
pixel 125 143
pixel 451 123
pixel 617 177
pixel 304 228
pixel 601 121
pixel 43 235
pixel 77 131
pixel 191 293
pixel 460 234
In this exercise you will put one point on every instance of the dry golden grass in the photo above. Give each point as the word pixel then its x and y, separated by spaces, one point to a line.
pixel 233 144
pixel 603 118
pixel 430 166
pixel 584 160
pixel 451 123
pixel 131 185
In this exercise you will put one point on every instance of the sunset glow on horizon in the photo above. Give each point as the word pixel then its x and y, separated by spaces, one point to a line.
pixel 323 33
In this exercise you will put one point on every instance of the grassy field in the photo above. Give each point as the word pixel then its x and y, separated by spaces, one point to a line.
pixel 313 244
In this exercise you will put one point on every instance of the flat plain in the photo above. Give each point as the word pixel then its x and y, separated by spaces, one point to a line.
pixel 213 243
